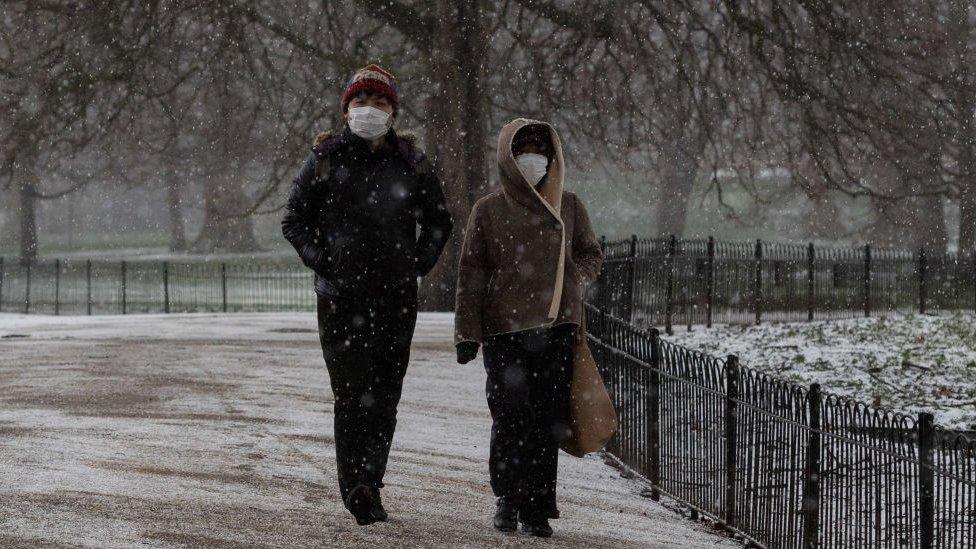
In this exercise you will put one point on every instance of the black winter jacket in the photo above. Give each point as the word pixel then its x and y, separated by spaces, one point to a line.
pixel 353 216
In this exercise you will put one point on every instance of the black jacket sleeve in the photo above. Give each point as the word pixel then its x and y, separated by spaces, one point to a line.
pixel 434 219
pixel 298 224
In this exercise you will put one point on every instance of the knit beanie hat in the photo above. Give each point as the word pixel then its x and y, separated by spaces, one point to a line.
pixel 371 79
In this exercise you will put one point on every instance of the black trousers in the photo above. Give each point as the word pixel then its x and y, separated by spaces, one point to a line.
pixel 529 374
pixel 366 347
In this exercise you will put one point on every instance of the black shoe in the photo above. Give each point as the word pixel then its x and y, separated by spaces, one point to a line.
pixel 506 516
pixel 539 529
pixel 378 512
pixel 360 504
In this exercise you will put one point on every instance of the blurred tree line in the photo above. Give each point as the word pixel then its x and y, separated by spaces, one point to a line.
pixel 871 99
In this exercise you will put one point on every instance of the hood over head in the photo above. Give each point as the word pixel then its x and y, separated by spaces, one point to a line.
pixel 515 186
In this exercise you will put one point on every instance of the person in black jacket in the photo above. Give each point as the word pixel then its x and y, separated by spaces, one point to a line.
pixel 353 216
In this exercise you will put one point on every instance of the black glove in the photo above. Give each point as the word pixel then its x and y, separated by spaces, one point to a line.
pixel 466 351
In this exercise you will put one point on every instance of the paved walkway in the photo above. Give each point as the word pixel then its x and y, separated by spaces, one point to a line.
pixel 215 431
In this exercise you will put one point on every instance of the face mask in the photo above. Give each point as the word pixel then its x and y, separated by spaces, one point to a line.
pixel 533 166
pixel 369 122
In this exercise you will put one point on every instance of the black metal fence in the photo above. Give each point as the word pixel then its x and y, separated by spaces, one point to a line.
pixel 659 282
pixel 669 281
pixel 59 286
pixel 786 466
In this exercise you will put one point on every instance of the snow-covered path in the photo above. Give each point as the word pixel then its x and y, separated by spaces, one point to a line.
pixel 216 431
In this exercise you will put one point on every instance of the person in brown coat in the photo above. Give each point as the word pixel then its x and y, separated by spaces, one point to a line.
pixel 528 253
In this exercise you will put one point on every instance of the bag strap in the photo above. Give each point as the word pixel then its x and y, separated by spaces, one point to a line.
pixel 581 331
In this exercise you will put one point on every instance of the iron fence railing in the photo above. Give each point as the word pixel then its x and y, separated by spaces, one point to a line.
pixel 60 286
pixel 670 281
pixel 784 465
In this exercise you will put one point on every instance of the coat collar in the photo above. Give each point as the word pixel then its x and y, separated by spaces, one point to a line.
pixel 404 144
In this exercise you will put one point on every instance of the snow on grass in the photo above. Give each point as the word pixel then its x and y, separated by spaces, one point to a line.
pixel 211 430
pixel 908 363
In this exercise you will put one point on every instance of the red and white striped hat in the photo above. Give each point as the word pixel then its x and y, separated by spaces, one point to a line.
pixel 371 79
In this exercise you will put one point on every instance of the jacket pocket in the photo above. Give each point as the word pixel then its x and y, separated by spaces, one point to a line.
pixel 336 255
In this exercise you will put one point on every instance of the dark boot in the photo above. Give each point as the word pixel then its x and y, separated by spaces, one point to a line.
pixel 378 512
pixel 506 515
pixel 539 528
pixel 360 504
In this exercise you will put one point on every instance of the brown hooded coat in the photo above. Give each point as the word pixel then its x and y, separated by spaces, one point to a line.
pixel 527 255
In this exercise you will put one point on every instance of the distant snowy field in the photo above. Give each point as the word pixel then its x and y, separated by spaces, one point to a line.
pixel 210 430
pixel 909 363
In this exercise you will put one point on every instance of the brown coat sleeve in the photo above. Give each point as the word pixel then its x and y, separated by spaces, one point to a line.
pixel 587 253
pixel 473 274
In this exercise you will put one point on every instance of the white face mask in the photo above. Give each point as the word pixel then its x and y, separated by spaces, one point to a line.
pixel 369 122
pixel 533 166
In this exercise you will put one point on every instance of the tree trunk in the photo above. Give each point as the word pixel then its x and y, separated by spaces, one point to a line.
pixel 962 56
pixel 967 215
pixel 680 170
pixel 177 230
pixel 223 229
pixel 930 224
pixel 10 228
pixel 967 174
pixel 967 178
pixel 913 222
pixel 27 188
pixel 822 222
pixel 456 130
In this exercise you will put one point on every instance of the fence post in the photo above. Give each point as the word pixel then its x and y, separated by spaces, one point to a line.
pixel 598 288
pixel 123 288
pixel 811 257
pixel 166 287
pixel 757 283
pixel 223 285
pixel 811 472
pixel 926 481
pixel 88 288
pixel 1 283
pixel 669 291
pixel 57 286
pixel 921 280
pixel 27 289
pixel 710 281
pixel 731 435
pixel 653 443
pixel 631 278
pixel 867 280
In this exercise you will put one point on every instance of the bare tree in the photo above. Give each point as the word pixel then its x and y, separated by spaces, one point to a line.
pixel 69 72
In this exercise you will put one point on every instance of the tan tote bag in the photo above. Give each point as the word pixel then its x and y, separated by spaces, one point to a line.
pixel 593 419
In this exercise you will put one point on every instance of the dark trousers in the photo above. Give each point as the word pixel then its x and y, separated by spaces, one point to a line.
pixel 366 349
pixel 529 375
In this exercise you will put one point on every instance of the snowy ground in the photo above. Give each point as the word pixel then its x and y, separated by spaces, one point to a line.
pixel 907 363
pixel 208 430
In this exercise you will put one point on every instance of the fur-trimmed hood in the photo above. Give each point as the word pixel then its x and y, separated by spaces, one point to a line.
pixel 404 142
pixel 404 135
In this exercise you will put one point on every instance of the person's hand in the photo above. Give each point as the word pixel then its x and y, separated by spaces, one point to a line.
pixel 466 351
